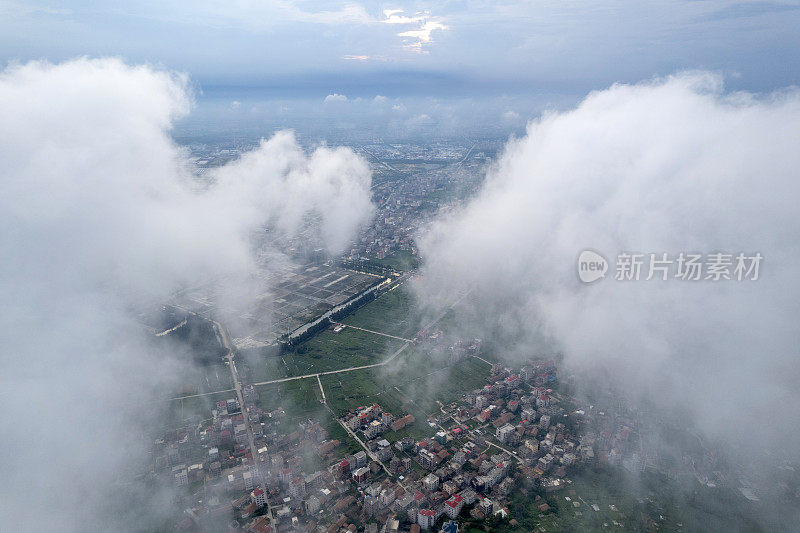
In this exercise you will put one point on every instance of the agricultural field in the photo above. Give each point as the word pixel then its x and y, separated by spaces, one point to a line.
pixel 330 350
pixel 412 383
pixel 179 411
pixel 599 500
pixel 213 378
pixel 393 313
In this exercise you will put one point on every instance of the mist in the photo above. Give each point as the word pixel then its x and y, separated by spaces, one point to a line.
pixel 669 165
pixel 103 218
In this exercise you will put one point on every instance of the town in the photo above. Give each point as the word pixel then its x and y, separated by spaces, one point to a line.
pixel 342 411
pixel 515 434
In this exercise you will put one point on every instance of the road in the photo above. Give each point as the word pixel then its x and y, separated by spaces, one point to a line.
pixel 509 452
pixel 304 376
pixel 377 332
pixel 199 394
pixel 484 360
pixel 324 400
pixel 170 330
pixel 386 361
pixel 369 453
pixel 237 385
pixel 328 372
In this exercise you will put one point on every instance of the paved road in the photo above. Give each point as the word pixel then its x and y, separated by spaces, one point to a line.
pixel 328 372
pixel 377 332
pixel 351 369
pixel 369 453
pixel 484 360
pixel 200 394
pixel 514 455
pixel 237 384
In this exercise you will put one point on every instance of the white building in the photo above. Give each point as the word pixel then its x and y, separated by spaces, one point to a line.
pixel 545 463
pixel 544 422
pixel 374 429
pixel 431 482
pixel 481 402
pixel 360 458
pixel 426 518
pixel 248 480
pixel 259 497
pixel 503 432
pixel 312 505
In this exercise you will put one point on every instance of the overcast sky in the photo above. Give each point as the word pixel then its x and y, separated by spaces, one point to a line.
pixel 404 48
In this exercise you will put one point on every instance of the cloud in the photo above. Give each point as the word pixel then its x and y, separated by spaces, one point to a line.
pixel 423 34
pixel 104 220
pixel 395 16
pixel 379 99
pixel 425 26
pixel 511 116
pixel 335 97
pixel 670 165
pixel 419 120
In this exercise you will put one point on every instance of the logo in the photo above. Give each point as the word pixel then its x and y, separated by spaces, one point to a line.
pixel 591 266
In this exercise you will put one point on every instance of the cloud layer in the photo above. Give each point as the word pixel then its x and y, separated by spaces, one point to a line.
pixel 102 218
pixel 671 165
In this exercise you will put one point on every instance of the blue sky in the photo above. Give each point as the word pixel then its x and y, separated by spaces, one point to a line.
pixel 401 48
pixel 410 68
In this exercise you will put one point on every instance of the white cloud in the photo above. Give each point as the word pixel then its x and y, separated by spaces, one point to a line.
pixel 379 99
pixel 395 16
pixel 414 39
pixel 419 120
pixel 335 97
pixel 423 34
pixel 672 165
pixel 107 220
pixel 510 116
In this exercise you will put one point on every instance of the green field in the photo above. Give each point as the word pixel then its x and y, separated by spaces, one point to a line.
pixel 639 503
pixel 412 383
pixel 301 400
pixel 333 351
pixel 399 260
pixel 178 411
pixel 393 313
pixel 323 352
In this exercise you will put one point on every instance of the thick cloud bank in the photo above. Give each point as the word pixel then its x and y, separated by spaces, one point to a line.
pixel 674 165
pixel 101 216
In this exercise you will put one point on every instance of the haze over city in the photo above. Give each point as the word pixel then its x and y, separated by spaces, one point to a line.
pixel 305 266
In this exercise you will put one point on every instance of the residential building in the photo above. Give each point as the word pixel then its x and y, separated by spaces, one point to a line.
pixel 360 475
pixel 180 475
pixel 503 432
pixel 259 497
pixel 431 482
pixel 312 505
pixel 426 518
pixel 453 506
